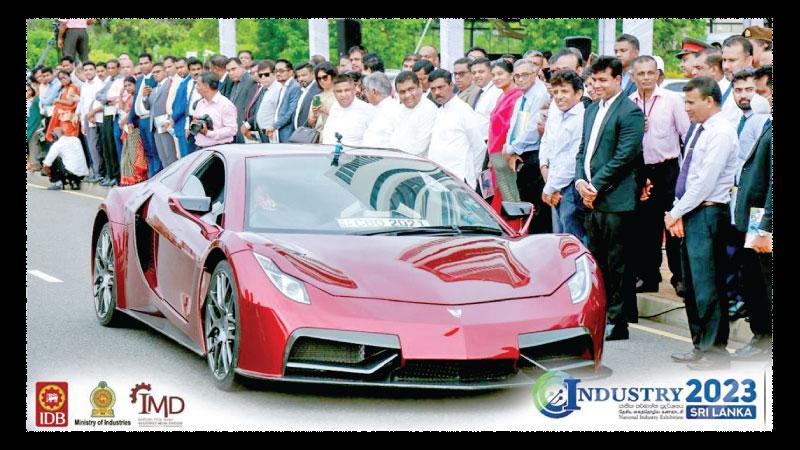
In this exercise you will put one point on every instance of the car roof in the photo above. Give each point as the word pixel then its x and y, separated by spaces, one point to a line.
pixel 258 150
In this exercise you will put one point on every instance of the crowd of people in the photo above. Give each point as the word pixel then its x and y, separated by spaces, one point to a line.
pixel 594 142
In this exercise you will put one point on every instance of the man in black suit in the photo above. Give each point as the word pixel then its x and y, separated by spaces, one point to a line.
pixel 309 88
pixel 217 65
pixel 244 87
pixel 608 180
pixel 627 49
pixel 755 191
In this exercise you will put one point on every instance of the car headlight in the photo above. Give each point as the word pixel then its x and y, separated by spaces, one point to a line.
pixel 290 286
pixel 580 284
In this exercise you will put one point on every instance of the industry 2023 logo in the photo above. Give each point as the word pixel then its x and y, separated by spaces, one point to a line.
pixel 557 394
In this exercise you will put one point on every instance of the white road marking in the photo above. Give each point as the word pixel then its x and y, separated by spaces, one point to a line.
pixel 44 276
pixel 665 334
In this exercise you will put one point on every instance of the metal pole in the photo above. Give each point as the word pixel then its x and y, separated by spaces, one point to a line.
pixel 423 35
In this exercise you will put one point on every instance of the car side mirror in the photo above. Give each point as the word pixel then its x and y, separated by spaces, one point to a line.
pixel 195 204
pixel 200 205
pixel 516 212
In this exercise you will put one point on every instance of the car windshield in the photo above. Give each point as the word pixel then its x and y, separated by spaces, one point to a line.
pixel 360 195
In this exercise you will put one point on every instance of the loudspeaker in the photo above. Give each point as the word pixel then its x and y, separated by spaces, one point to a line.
pixel 582 43
pixel 348 34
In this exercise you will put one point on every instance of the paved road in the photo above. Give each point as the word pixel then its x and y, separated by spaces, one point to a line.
pixel 65 343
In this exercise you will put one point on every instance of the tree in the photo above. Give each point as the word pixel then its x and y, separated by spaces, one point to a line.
pixel 282 38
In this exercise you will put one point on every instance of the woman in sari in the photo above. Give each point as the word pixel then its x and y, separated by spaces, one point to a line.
pixel 503 177
pixel 133 166
pixel 65 105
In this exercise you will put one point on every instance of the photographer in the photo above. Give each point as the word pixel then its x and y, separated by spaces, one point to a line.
pixel 65 163
pixel 214 120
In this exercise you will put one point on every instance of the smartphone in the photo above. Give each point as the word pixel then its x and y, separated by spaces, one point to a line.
pixel 317 101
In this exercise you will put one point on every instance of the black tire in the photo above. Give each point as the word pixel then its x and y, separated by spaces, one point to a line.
pixel 222 327
pixel 104 280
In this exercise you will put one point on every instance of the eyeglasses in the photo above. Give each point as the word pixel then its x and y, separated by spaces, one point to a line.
pixel 461 74
pixel 281 70
pixel 522 76
pixel 264 74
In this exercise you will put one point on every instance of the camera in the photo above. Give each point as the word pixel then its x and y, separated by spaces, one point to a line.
pixel 198 124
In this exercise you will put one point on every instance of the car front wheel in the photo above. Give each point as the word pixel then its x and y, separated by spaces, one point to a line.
pixel 222 326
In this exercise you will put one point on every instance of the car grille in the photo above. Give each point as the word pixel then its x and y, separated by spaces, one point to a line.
pixel 422 371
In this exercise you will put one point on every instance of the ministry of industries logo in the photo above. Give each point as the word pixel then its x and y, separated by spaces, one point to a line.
pixel 51 404
pixel 102 399
pixel 553 394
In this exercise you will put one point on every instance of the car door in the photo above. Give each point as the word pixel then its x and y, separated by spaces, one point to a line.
pixel 181 241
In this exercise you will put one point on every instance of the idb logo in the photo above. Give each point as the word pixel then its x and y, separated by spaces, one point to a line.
pixel 51 404
pixel 555 394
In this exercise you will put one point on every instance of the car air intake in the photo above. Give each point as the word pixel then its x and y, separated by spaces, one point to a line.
pixel 433 371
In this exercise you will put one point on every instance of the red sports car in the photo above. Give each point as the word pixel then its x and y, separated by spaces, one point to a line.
pixel 300 263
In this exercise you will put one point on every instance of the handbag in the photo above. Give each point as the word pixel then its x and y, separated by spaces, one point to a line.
pixel 304 135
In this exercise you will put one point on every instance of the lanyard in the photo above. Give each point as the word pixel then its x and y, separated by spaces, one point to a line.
pixel 644 107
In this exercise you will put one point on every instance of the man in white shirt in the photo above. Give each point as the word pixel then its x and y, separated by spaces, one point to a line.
pixel 65 162
pixel 700 215
pixel 488 95
pixel 751 125
pixel 349 116
pixel 559 190
pixel 565 59
pixel 91 113
pixel 415 119
pixel 456 140
pixel 380 130
pixel 522 142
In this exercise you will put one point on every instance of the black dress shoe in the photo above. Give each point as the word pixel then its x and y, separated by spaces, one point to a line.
pixel 642 286
pixel 711 362
pixel 691 356
pixel 680 289
pixel 616 332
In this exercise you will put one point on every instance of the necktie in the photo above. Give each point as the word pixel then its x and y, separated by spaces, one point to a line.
pixel 475 102
pixel 166 96
pixel 680 187
pixel 516 124
pixel 742 121
pixel 250 106
pixel 189 97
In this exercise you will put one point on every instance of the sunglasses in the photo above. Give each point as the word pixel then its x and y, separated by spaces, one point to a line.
pixel 324 77
pixel 264 74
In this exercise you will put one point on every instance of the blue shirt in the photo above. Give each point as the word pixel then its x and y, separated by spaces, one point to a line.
pixel 526 136
pixel 53 89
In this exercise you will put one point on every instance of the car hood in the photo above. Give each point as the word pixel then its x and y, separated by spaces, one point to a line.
pixel 450 270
